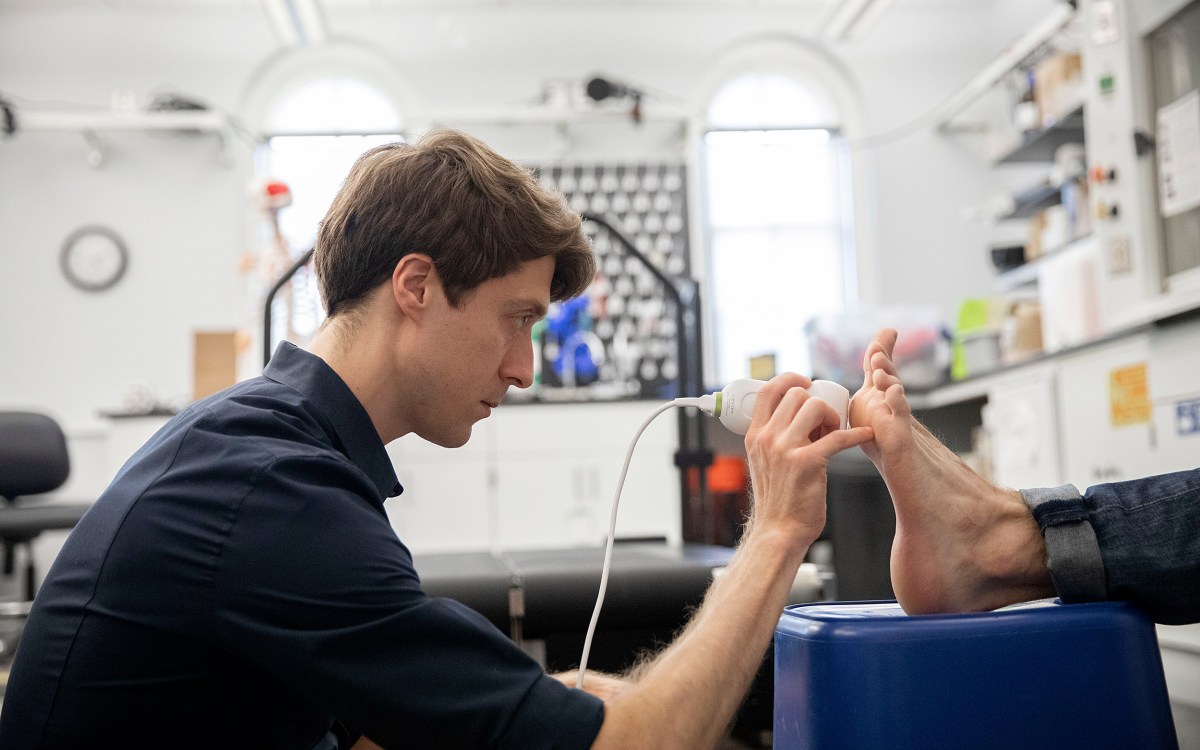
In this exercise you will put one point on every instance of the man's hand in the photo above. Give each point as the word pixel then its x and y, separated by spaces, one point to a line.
pixel 789 443
pixel 686 697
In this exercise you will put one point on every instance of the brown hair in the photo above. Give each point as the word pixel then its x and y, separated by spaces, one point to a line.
pixel 477 214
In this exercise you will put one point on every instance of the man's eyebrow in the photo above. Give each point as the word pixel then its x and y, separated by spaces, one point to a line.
pixel 534 307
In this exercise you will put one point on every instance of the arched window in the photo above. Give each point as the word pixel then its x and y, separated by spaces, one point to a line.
pixel 319 111
pixel 779 224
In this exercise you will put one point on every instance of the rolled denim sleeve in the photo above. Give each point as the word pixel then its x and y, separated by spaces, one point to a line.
pixel 1072 550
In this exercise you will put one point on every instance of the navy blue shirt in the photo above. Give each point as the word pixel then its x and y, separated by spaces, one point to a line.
pixel 239 585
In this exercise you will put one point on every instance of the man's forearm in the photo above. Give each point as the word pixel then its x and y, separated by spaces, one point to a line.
pixel 687 696
pixel 603 686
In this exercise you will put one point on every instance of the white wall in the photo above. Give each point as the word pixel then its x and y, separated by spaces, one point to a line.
pixel 184 215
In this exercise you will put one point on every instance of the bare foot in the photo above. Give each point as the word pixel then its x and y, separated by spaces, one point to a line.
pixel 962 544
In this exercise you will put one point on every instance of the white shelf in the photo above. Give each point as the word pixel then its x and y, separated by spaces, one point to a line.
pixel 91 124
pixel 214 122
pixel 1023 275
pixel 1027 273
pixel 1003 64
pixel 951 393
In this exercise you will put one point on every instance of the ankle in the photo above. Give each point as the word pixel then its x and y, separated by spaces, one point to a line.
pixel 1012 558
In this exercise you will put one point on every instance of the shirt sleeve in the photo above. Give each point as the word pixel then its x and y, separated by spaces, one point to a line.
pixel 314 586
pixel 1072 549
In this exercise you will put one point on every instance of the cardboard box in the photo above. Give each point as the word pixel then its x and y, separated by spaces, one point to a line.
pixel 1033 243
pixel 214 362
pixel 1022 337
pixel 1058 86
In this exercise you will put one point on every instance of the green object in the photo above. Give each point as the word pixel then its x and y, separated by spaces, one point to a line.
pixel 536 334
pixel 1107 85
pixel 974 315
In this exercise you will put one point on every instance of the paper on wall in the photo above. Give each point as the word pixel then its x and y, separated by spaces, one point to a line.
pixel 1179 155
pixel 1129 395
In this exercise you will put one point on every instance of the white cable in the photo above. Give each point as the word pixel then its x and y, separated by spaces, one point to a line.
pixel 612 529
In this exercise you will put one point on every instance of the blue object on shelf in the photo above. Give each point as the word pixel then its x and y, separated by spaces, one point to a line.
pixel 570 323
pixel 852 675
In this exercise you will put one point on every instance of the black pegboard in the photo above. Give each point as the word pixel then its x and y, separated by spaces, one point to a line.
pixel 625 322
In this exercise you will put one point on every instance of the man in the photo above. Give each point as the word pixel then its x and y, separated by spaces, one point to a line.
pixel 963 544
pixel 239 583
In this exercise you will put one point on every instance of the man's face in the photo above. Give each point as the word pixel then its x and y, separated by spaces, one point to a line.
pixel 476 351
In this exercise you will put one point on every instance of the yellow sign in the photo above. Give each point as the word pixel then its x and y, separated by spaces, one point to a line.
pixel 1129 395
pixel 762 367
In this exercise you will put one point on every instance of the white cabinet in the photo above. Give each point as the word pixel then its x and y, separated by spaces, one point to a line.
pixel 448 503
pixel 538 476
pixel 558 468
pixel 547 501
pixel 1175 396
pixel 1021 419
pixel 1107 430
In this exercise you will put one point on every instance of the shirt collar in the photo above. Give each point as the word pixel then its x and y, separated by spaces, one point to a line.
pixel 340 408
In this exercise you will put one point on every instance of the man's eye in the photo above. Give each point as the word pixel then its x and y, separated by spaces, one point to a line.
pixel 523 320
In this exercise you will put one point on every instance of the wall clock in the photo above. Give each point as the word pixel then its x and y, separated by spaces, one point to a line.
pixel 94 258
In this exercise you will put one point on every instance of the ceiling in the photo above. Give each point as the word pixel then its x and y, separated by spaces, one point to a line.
pixel 463 4
pixel 901 6
pixel 905 19
pixel 902 27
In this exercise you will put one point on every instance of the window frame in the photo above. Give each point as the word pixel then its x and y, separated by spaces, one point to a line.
pixel 843 231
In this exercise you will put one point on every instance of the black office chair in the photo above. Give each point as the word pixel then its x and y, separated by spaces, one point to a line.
pixel 33 461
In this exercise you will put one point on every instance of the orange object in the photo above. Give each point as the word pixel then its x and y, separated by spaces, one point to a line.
pixel 727 474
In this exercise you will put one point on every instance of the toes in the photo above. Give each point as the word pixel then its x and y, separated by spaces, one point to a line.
pixel 894 398
pixel 887 338
pixel 872 349
pixel 883 380
pixel 881 361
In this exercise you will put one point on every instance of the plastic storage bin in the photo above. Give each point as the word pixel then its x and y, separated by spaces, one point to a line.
pixel 837 344
pixel 1047 675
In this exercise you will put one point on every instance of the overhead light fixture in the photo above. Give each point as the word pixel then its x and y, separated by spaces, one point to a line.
pixel 297 23
pixel 854 18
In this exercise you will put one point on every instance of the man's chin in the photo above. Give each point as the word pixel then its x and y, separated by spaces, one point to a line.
pixel 456 440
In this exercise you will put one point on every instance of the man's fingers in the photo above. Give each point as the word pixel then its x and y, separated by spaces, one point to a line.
pixel 791 404
pixel 814 419
pixel 830 419
pixel 839 440
pixel 767 403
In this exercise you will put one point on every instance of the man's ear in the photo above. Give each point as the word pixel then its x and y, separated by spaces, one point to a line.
pixel 412 281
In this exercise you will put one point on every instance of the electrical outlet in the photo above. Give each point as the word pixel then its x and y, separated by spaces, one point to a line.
pixel 1120 256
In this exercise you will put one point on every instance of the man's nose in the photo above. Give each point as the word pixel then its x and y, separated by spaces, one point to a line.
pixel 517 367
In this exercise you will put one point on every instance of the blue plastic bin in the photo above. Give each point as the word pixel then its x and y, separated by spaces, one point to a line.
pixel 854 675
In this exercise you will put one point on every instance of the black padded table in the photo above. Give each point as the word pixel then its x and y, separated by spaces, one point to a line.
pixel 651 586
